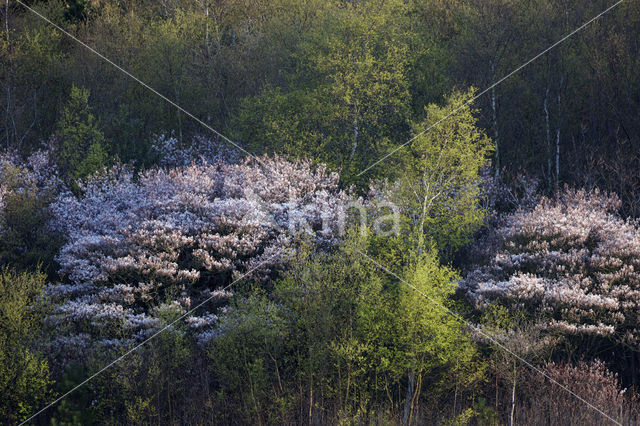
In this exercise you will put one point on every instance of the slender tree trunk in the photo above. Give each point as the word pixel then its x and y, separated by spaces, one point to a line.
pixel 6 19
pixel 634 376
pixel 7 34
pixel 207 44
pixel 423 216
pixel 494 110
pixel 179 115
pixel 169 402
pixel 497 392
pixel 414 398
pixel 548 129
pixel 252 391
pixel 455 398
pixel 346 396
pixel 409 396
pixel 6 121
pixel 354 144
pixel 558 138
pixel 311 400
pixel 513 393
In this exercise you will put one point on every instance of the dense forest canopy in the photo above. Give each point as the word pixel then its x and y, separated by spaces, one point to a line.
pixel 319 211
pixel 339 81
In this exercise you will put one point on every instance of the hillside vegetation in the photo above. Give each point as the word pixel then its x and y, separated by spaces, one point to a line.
pixel 319 212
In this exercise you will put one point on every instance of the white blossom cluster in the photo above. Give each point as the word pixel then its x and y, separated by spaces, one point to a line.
pixel 171 153
pixel 142 247
pixel 36 176
pixel 591 381
pixel 506 195
pixel 571 262
pixel 38 169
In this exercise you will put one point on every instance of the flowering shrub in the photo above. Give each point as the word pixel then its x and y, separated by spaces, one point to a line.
pixel 508 193
pixel 546 402
pixel 37 170
pixel 143 248
pixel 572 262
pixel 170 153
pixel 27 186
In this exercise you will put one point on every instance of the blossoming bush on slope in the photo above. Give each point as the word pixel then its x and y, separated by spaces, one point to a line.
pixel 571 262
pixel 544 402
pixel 169 152
pixel 27 186
pixel 141 247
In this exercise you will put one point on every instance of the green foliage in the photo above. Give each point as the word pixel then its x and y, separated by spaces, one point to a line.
pixel 76 10
pixel 30 70
pixel 81 142
pixel 484 414
pixel 340 82
pixel 425 308
pixel 74 409
pixel 251 363
pixel 439 184
pixel 499 317
pixel 287 123
pixel 26 241
pixel 340 333
pixel 346 74
pixel 132 144
pixel 343 320
pixel 439 355
pixel 24 373
pixel 149 386
pixel 351 105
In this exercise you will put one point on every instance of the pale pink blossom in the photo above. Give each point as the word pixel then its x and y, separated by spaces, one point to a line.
pixel 150 245
pixel 572 262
